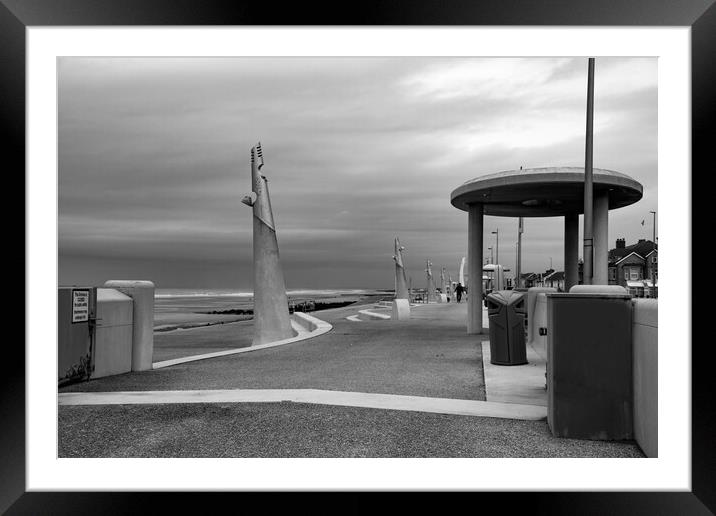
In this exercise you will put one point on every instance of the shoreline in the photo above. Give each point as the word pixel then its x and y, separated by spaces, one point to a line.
pixel 246 314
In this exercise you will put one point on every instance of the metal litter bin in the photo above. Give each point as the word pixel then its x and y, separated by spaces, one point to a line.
pixel 506 315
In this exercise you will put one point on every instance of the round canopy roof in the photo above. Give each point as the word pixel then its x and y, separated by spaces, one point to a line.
pixel 543 192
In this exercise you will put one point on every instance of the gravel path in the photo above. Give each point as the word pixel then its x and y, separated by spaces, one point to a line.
pixel 299 430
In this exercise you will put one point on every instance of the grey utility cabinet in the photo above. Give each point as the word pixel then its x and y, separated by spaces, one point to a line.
pixel 589 365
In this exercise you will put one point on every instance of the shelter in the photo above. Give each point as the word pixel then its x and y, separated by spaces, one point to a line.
pixel 542 192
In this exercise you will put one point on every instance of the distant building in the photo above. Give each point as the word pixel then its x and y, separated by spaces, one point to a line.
pixel 554 279
pixel 529 279
pixel 631 267
pixel 540 279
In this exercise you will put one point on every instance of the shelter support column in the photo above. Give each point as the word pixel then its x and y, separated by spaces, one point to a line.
pixel 571 250
pixel 474 268
pixel 601 238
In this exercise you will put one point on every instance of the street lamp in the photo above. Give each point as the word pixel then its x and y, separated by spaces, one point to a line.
pixel 653 275
pixel 497 245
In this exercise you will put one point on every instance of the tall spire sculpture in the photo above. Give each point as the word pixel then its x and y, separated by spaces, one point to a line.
pixel 271 317
pixel 401 287
pixel 430 294
pixel 461 277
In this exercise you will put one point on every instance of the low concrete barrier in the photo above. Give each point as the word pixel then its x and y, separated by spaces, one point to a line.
pixel 537 318
pixel 645 356
pixel 142 293
pixel 113 337
pixel 306 322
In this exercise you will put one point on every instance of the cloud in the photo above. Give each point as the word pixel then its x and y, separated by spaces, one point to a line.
pixel 154 152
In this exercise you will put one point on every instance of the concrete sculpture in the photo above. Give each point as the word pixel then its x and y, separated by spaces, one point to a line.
pixel 430 288
pixel 401 303
pixel 271 317
pixel 442 297
pixel 401 284
pixel 461 277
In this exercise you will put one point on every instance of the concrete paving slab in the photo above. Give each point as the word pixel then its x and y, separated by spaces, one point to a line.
pixel 523 384
pixel 316 396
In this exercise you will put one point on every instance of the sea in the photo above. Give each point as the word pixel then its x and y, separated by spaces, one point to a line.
pixel 185 308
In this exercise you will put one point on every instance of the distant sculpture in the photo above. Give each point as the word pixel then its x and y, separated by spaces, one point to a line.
pixel 271 317
pixel 430 289
pixel 445 283
pixel 401 302
pixel 462 272
pixel 401 288
pixel 442 295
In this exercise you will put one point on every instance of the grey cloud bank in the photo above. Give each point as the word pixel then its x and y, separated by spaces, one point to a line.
pixel 154 158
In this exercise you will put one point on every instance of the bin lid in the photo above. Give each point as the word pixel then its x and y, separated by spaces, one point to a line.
pixel 506 297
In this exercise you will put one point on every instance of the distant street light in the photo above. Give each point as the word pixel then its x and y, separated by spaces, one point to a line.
pixel 653 275
pixel 497 245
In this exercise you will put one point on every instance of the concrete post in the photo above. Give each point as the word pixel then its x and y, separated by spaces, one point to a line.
pixel 272 321
pixel 142 294
pixel 600 274
pixel 401 287
pixel 474 268
pixel 571 250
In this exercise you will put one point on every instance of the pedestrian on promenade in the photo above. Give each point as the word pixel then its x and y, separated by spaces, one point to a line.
pixel 458 291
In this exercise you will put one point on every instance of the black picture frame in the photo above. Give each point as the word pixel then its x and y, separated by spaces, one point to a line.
pixel 17 15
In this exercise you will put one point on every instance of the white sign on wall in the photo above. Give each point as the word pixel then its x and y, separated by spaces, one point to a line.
pixel 80 305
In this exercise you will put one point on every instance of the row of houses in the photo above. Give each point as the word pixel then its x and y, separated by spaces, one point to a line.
pixel 634 267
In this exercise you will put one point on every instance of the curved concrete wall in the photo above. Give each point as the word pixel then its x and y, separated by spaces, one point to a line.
pixel 113 337
pixel 645 329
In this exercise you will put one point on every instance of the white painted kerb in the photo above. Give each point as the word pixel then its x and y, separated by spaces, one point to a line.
pixel 315 396
pixel 319 328
pixel 374 315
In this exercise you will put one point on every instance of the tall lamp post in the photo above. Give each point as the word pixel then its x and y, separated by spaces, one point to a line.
pixel 653 272
pixel 520 230
pixel 588 251
pixel 497 245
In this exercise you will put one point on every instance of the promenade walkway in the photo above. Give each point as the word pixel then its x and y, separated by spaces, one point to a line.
pixel 374 388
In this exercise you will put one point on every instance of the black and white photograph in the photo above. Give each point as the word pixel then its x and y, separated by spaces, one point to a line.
pixel 357 257
pixel 406 248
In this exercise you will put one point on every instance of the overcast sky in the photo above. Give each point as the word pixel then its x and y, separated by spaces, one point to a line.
pixel 154 159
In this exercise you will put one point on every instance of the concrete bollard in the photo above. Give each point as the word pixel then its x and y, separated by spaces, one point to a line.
pixel 401 310
pixel 142 294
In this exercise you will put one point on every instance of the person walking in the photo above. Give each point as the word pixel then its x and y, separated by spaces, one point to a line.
pixel 459 289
